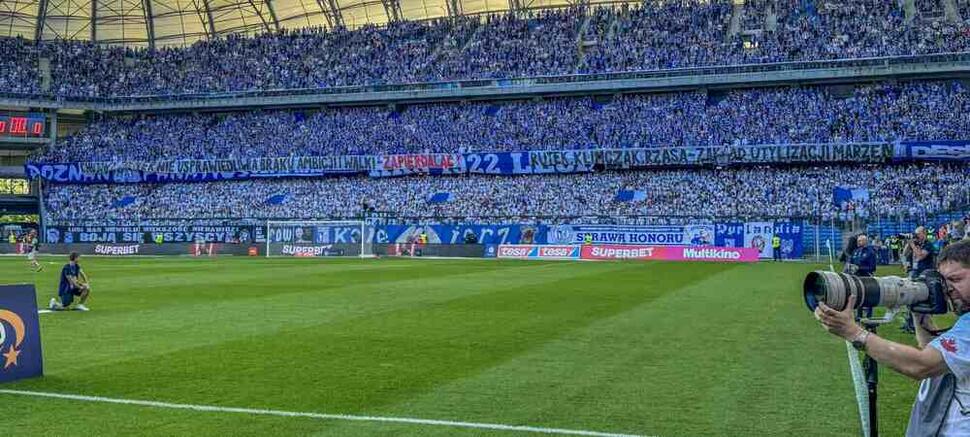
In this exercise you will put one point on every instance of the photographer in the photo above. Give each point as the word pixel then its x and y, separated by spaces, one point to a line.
pixel 851 244
pixel 942 362
pixel 920 255
pixel 862 262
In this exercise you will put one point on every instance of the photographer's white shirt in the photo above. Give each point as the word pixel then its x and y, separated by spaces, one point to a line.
pixel 955 347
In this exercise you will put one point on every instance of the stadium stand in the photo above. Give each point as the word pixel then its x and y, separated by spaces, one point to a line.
pixel 573 40
pixel 897 191
pixel 883 112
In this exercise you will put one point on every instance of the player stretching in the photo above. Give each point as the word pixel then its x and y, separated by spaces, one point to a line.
pixel 73 283
pixel 33 246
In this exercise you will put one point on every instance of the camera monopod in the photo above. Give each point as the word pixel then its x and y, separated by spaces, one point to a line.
pixel 870 367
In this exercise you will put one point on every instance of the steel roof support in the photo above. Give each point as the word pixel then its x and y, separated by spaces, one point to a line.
pixel 94 20
pixel 212 22
pixel 41 20
pixel 146 6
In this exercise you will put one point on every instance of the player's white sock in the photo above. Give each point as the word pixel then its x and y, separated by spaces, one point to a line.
pixel 81 307
pixel 55 305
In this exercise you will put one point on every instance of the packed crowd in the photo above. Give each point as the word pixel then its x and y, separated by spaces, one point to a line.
pixel 888 112
pixel 858 29
pixel 656 35
pixel 895 191
pixel 18 67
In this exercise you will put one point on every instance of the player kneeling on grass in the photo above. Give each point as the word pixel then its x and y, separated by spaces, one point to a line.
pixel 74 283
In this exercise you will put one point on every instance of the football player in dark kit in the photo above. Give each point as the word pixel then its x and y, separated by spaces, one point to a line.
pixel 74 283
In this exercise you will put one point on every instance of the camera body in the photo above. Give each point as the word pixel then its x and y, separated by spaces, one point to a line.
pixel 925 294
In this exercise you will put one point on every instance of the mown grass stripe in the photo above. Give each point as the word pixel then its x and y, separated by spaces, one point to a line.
pixel 322 416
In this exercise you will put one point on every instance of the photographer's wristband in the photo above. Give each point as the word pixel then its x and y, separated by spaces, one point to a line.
pixel 859 341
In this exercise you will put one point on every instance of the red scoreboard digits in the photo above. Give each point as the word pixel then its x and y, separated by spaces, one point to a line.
pixel 23 125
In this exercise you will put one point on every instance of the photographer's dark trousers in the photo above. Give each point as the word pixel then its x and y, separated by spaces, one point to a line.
pixel 776 253
pixel 864 312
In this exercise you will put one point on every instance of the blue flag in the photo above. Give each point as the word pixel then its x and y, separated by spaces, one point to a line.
pixel 124 201
pixel 841 195
pixel 440 197
pixel 276 199
pixel 631 196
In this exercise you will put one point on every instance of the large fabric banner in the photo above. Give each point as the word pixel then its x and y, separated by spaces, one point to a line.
pixel 19 334
pixel 758 235
pixel 935 150
pixel 694 235
pixel 729 234
pixel 792 242
pixel 810 153
pixel 151 234
pixel 669 253
pixel 429 163
pixel 200 170
pixel 498 163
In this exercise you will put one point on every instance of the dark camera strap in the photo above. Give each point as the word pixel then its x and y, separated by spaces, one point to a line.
pixel 932 406
pixel 963 410
pixel 937 332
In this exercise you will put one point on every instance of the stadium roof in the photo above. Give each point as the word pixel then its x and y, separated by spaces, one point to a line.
pixel 183 22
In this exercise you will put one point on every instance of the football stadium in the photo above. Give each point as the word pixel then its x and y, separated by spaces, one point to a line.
pixel 658 218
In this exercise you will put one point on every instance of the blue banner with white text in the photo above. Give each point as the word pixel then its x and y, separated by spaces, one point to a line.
pixel 791 239
pixel 689 235
pixel 499 163
pixel 729 234
pixel 725 234
pixel 934 150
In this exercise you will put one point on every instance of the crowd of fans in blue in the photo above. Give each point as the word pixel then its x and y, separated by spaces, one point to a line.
pixel 656 35
pixel 866 113
pixel 907 191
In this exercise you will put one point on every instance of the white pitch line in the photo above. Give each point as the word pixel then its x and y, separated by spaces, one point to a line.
pixel 44 311
pixel 859 384
pixel 345 417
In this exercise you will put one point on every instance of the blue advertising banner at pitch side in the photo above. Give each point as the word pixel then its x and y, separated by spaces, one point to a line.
pixel 390 234
pixel 20 352
pixel 726 234
pixel 730 234
pixel 689 235
pixel 791 239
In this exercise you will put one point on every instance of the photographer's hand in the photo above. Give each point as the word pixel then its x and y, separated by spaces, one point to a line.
pixel 841 323
pixel 912 362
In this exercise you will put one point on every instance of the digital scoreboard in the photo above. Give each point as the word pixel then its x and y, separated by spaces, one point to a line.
pixel 20 125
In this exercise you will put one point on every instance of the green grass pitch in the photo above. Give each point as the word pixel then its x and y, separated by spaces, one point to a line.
pixel 658 349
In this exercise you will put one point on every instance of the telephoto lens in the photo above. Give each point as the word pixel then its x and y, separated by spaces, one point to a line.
pixel 887 291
